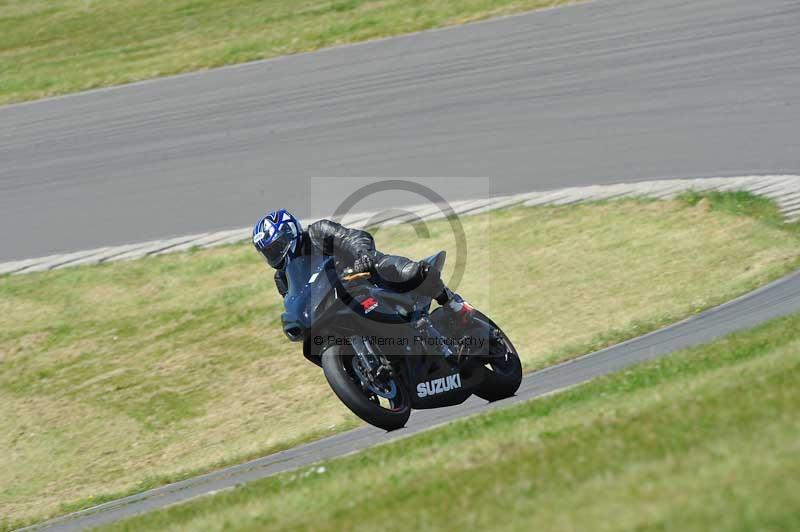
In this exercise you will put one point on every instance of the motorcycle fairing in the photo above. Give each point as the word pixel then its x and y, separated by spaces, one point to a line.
pixel 422 369
pixel 310 279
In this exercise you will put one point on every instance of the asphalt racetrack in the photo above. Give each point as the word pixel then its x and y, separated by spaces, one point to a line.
pixel 608 91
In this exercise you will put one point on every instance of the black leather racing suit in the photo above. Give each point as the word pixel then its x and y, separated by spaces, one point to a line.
pixel 326 237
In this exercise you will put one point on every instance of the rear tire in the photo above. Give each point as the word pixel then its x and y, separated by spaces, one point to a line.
pixel 347 387
pixel 503 375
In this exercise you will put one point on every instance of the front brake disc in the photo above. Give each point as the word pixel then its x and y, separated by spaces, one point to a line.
pixel 387 392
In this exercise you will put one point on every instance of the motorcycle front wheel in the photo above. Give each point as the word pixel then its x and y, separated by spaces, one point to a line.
pixel 388 407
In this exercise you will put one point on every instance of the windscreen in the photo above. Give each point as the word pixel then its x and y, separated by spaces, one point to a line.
pixel 309 283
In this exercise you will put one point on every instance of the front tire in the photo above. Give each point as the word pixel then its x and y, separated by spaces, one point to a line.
pixel 337 366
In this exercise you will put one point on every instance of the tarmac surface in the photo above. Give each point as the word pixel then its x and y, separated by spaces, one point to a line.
pixel 607 91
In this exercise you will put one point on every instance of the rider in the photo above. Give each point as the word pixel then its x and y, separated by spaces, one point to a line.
pixel 279 237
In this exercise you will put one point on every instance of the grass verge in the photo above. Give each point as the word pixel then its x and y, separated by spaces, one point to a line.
pixel 123 376
pixel 741 203
pixel 706 439
pixel 60 46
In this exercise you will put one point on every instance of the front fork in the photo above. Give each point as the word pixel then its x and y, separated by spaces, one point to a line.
pixel 376 365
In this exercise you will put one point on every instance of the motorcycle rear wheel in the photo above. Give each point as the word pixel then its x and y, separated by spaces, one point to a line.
pixel 337 365
pixel 503 374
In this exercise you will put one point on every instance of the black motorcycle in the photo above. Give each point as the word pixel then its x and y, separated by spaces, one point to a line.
pixel 383 352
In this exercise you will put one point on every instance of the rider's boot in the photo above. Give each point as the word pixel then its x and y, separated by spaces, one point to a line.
pixel 425 326
pixel 460 312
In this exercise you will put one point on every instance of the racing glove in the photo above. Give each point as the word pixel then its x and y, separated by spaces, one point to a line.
pixel 363 264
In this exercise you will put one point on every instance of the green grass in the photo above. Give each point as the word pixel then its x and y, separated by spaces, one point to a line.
pixel 124 376
pixel 741 203
pixel 706 439
pixel 50 47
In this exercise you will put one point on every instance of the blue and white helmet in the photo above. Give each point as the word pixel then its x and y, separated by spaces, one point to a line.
pixel 277 235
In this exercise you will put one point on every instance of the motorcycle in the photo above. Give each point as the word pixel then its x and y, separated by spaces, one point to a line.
pixel 384 353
